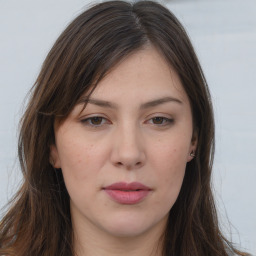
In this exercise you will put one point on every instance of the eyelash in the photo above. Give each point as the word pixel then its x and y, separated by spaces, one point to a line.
pixel 88 121
pixel 167 121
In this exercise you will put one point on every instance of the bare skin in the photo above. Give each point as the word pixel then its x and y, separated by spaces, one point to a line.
pixel 137 128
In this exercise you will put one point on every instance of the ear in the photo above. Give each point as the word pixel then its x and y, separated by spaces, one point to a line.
pixel 193 147
pixel 54 157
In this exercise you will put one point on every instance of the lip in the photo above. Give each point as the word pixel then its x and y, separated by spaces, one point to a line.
pixel 127 193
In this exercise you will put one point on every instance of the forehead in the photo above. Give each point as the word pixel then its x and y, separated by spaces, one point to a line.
pixel 143 75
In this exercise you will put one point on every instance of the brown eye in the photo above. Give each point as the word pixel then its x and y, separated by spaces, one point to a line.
pixel 158 120
pixel 161 121
pixel 97 120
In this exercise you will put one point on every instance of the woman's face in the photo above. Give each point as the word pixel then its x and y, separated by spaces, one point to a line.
pixel 124 156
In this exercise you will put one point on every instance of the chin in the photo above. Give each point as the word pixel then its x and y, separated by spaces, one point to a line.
pixel 126 231
pixel 133 226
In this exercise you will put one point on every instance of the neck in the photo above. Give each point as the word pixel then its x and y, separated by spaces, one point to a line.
pixel 89 242
pixel 125 247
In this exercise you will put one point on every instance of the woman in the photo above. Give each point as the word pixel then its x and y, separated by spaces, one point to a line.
pixel 117 142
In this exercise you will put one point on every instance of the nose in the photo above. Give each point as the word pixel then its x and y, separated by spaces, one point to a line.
pixel 128 148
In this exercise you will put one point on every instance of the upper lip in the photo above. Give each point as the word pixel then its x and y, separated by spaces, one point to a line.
pixel 133 186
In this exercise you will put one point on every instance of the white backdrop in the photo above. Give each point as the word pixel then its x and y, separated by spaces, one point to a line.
pixel 224 35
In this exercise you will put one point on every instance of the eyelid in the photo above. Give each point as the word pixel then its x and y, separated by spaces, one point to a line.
pixel 85 120
pixel 167 120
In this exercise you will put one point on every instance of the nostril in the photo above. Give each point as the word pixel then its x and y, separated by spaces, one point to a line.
pixel 131 166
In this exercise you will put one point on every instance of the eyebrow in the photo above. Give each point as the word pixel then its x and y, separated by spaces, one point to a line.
pixel 160 101
pixel 153 103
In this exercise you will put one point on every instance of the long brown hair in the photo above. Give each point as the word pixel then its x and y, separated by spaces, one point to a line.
pixel 38 222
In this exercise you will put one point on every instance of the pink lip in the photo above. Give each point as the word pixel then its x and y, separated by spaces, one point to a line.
pixel 127 193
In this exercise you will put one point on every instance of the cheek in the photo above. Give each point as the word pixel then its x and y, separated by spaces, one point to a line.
pixel 72 157
pixel 169 164
pixel 78 168
pixel 81 163
pixel 171 156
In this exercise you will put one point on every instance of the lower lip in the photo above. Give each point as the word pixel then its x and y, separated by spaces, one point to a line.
pixel 127 197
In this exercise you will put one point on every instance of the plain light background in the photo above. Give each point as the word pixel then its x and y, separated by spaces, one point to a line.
pixel 224 35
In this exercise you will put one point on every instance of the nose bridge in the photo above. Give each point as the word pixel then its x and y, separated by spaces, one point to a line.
pixel 128 149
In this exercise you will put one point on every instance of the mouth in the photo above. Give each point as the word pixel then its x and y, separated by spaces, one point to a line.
pixel 127 193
